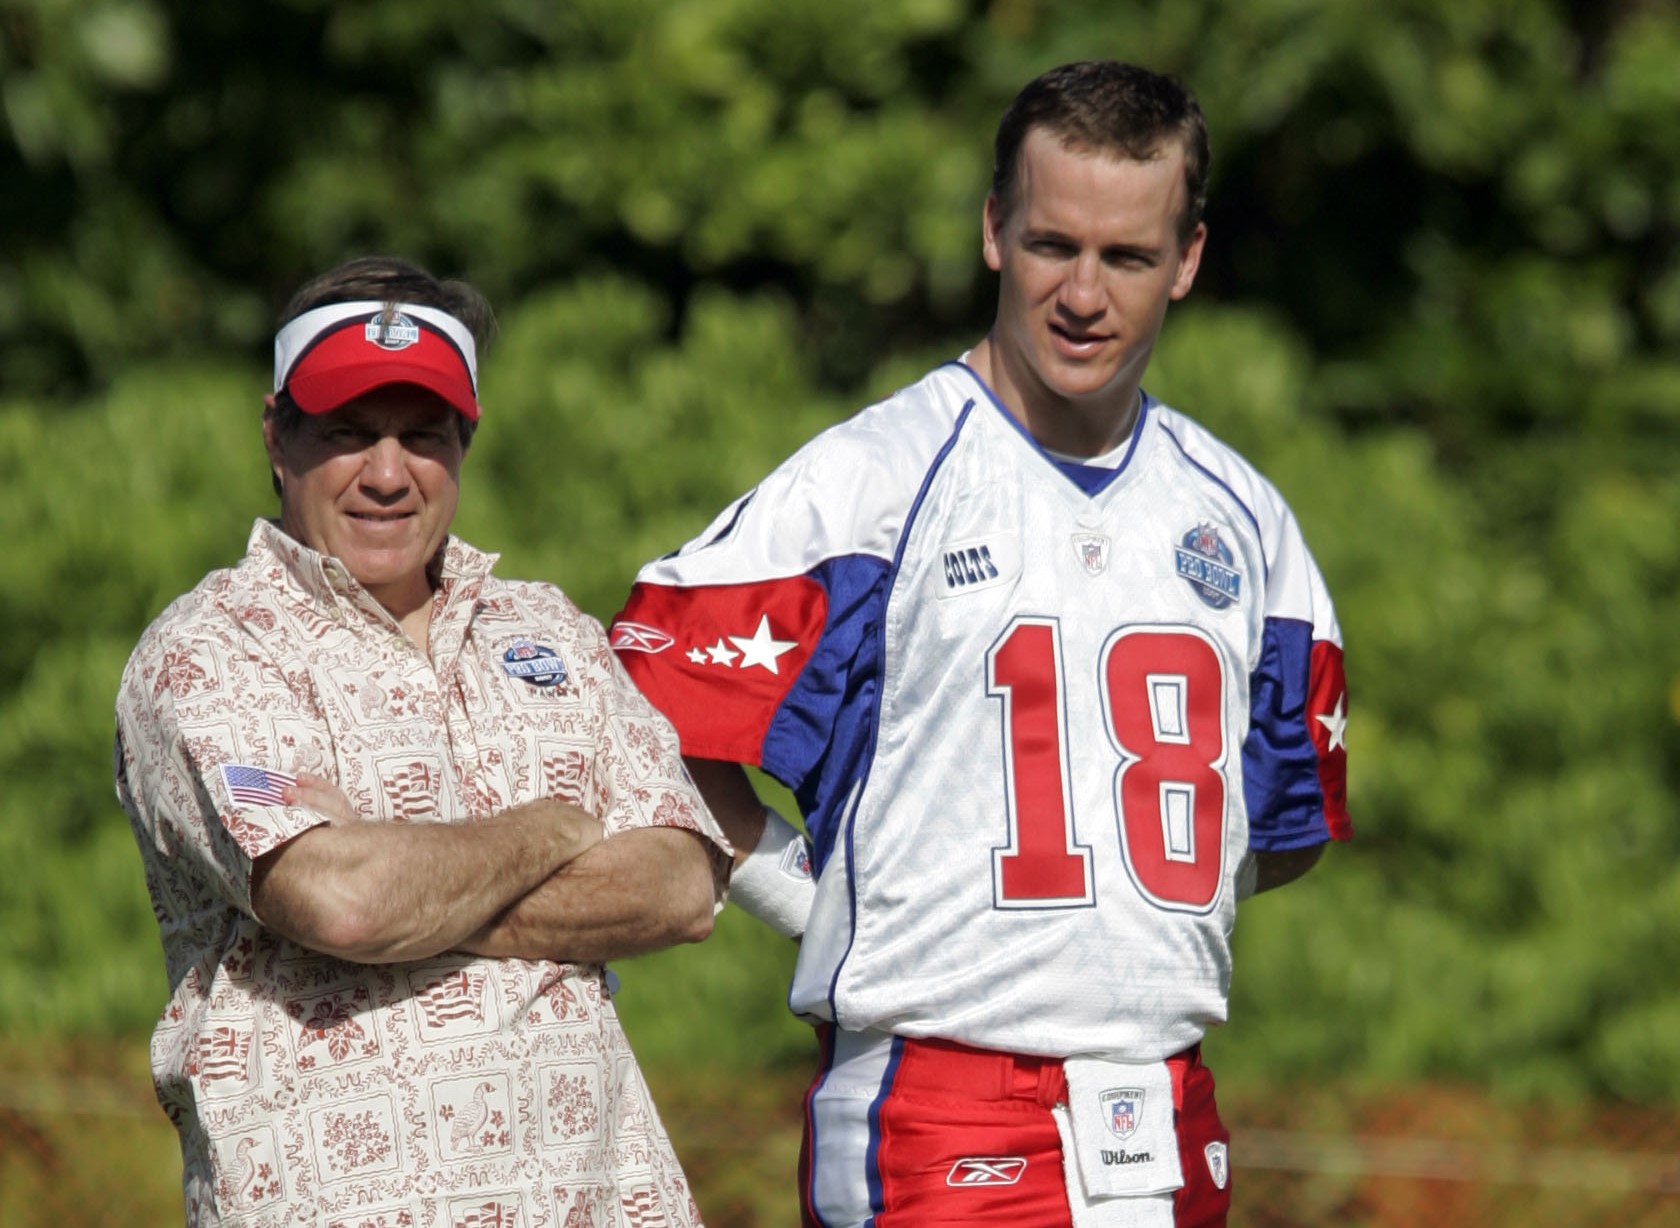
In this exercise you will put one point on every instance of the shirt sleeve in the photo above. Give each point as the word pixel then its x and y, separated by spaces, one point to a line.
pixel 640 777
pixel 778 672
pixel 1295 756
pixel 191 713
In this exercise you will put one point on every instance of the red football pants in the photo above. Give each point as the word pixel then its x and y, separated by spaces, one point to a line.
pixel 904 1133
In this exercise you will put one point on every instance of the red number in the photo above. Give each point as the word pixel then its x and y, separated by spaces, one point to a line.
pixel 1165 696
pixel 1042 867
pixel 1164 692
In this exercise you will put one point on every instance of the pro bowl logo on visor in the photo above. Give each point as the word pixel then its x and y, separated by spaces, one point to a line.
pixel 398 333
pixel 1204 562
pixel 536 664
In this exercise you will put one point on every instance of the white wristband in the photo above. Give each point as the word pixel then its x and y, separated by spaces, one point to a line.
pixel 774 883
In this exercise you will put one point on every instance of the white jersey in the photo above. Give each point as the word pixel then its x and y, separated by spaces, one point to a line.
pixel 1035 713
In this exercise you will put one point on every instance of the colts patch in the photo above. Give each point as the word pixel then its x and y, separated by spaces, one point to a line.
pixel 537 664
pixel 1204 562
pixel 964 567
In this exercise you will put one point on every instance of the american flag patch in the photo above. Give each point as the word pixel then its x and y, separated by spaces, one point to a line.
pixel 458 996
pixel 255 786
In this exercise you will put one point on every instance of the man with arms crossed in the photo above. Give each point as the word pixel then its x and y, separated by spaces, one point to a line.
pixel 394 812
pixel 1054 681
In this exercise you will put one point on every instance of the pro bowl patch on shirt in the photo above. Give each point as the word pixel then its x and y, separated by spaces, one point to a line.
pixel 534 663
pixel 1205 563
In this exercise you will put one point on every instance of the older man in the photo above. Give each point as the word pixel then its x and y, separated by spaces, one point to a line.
pixel 394 812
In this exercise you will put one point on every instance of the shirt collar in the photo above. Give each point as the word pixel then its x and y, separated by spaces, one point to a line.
pixel 323 579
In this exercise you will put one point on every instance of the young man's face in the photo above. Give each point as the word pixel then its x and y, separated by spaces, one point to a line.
pixel 374 484
pixel 1089 256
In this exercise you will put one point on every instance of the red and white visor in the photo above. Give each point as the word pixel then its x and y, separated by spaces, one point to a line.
pixel 333 354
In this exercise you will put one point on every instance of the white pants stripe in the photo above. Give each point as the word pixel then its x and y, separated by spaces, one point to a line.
pixel 845 1183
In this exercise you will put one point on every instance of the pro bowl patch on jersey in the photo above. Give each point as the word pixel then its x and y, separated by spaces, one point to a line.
pixel 534 663
pixel 968 566
pixel 397 334
pixel 1204 562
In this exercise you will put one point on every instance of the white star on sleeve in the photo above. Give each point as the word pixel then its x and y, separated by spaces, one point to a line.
pixel 1336 723
pixel 697 654
pixel 761 649
pixel 722 654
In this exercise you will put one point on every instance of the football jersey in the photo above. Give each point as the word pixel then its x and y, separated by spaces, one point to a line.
pixel 1034 713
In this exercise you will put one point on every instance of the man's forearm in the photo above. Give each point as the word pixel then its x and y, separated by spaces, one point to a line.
pixel 376 892
pixel 733 801
pixel 639 891
pixel 771 879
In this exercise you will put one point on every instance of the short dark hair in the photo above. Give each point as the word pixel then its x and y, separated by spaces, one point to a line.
pixel 1110 107
pixel 387 279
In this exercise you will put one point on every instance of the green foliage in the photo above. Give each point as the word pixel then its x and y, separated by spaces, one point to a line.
pixel 611 446
pixel 1440 308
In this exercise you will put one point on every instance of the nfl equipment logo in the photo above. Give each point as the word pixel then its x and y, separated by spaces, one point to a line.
pixel 1092 549
pixel 1122 1110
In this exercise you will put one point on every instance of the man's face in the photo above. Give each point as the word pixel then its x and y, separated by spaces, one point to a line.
pixel 374 484
pixel 1089 256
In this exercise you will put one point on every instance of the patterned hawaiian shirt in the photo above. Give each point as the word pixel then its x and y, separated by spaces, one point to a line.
pixel 438 1093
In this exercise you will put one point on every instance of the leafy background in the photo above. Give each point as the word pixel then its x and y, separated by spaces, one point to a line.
pixel 1440 307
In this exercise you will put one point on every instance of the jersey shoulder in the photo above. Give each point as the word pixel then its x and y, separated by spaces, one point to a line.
pixel 1293 584
pixel 847 491
pixel 894 441
pixel 1220 463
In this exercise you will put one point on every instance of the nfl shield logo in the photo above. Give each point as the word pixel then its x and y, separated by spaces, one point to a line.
pixel 1218 1162
pixel 1123 1110
pixel 1092 549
